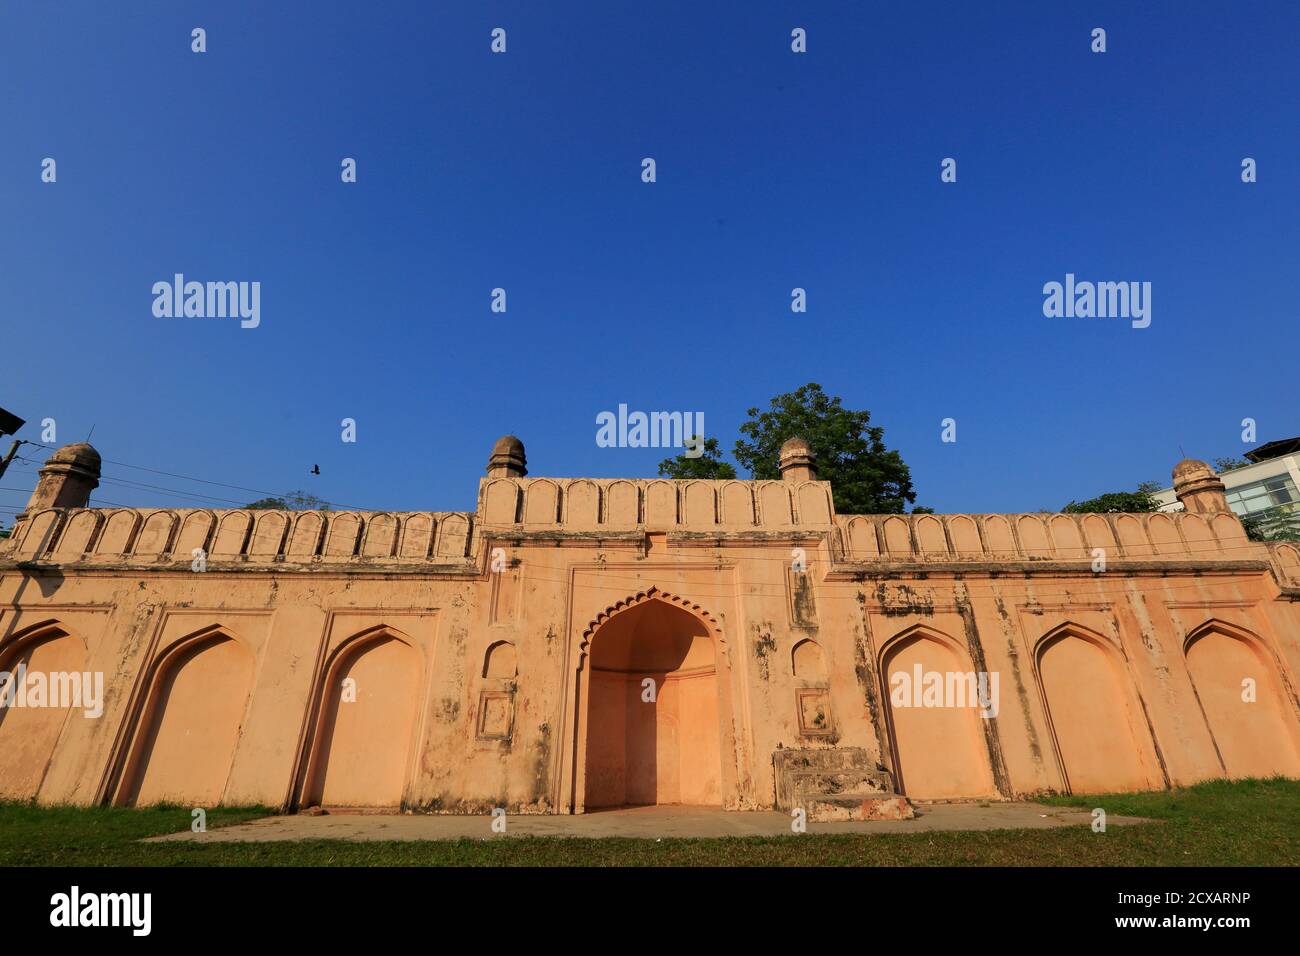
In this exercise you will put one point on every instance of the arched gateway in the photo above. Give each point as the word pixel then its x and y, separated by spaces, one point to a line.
pixel 655 728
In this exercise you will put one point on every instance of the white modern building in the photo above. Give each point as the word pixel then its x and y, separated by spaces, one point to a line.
pixel 1266 488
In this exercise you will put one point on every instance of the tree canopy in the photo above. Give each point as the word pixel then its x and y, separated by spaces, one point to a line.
pixel 707 465
pixel 866 477
pixel 1229 464
pixel 1118 501
pixel 290 501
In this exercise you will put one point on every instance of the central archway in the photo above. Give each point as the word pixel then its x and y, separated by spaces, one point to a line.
pixel 654 728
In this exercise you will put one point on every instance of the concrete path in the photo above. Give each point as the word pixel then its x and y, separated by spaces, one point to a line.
pixel 652 822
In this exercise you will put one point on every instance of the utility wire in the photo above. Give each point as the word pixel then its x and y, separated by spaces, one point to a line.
pixel 206 481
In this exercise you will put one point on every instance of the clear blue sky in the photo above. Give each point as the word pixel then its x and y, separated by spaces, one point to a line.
pixel 522 170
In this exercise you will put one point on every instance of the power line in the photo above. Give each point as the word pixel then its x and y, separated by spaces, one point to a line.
pixel 141 486
pixel 170 474
pixel 206 481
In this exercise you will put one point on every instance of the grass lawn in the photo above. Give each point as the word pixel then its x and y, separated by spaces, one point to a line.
pixel 1242 823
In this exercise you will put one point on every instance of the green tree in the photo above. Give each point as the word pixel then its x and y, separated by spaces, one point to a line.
pixel 865 476
pixel 290 501
pixel 1270 528
pixel 1122 501
pixel 707 465
pixel 1229 464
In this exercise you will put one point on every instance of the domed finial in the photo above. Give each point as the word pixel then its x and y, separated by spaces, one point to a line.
pixel 508 460
pixel 797 461
pixel 68 478
pixel 1198 487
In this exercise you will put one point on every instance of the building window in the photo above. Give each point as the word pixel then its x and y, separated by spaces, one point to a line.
pixel 1263 495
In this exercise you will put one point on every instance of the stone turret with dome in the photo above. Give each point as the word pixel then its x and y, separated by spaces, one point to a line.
pixel 508 459
pixel 1199 487
pixel 797 461
pixel 68 478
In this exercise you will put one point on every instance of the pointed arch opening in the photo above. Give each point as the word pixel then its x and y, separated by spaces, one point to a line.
pixel 29 735
pixel 1103 741
pixel 939 746
pixel 360 746
pixel 655 716
pixel 1244 701
pixel 184 745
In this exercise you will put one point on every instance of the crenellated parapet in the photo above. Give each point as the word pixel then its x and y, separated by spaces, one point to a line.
pixel 620 510
pixel 1044 537
pixel 1286 562
pixel 94 536
pixel 660 504
pixel 581 508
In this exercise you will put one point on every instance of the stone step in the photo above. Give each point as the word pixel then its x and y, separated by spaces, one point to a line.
pixel 825 808
pixel 835 782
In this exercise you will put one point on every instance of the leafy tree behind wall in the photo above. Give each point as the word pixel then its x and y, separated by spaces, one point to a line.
pixel 1271 527
pixel 1121 501
pixel 290 501
pixel 865 476
pixel 1229 464
pixel 707 465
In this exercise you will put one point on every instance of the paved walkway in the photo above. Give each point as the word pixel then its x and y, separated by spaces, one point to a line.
pixel 638 822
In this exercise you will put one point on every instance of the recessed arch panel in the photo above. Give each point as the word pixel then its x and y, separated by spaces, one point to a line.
pixel 1097 721
pixel 940 751
pixel 1253 725
pixel 361 747
pixel 30 734
pixel 184 746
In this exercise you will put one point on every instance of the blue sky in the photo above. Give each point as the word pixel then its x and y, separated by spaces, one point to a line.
pixel 522 171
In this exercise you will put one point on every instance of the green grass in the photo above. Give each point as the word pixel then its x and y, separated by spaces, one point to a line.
pixel 95 836
pixel 1241 823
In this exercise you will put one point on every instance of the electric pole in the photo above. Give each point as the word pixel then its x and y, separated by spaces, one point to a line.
pixel 9 425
